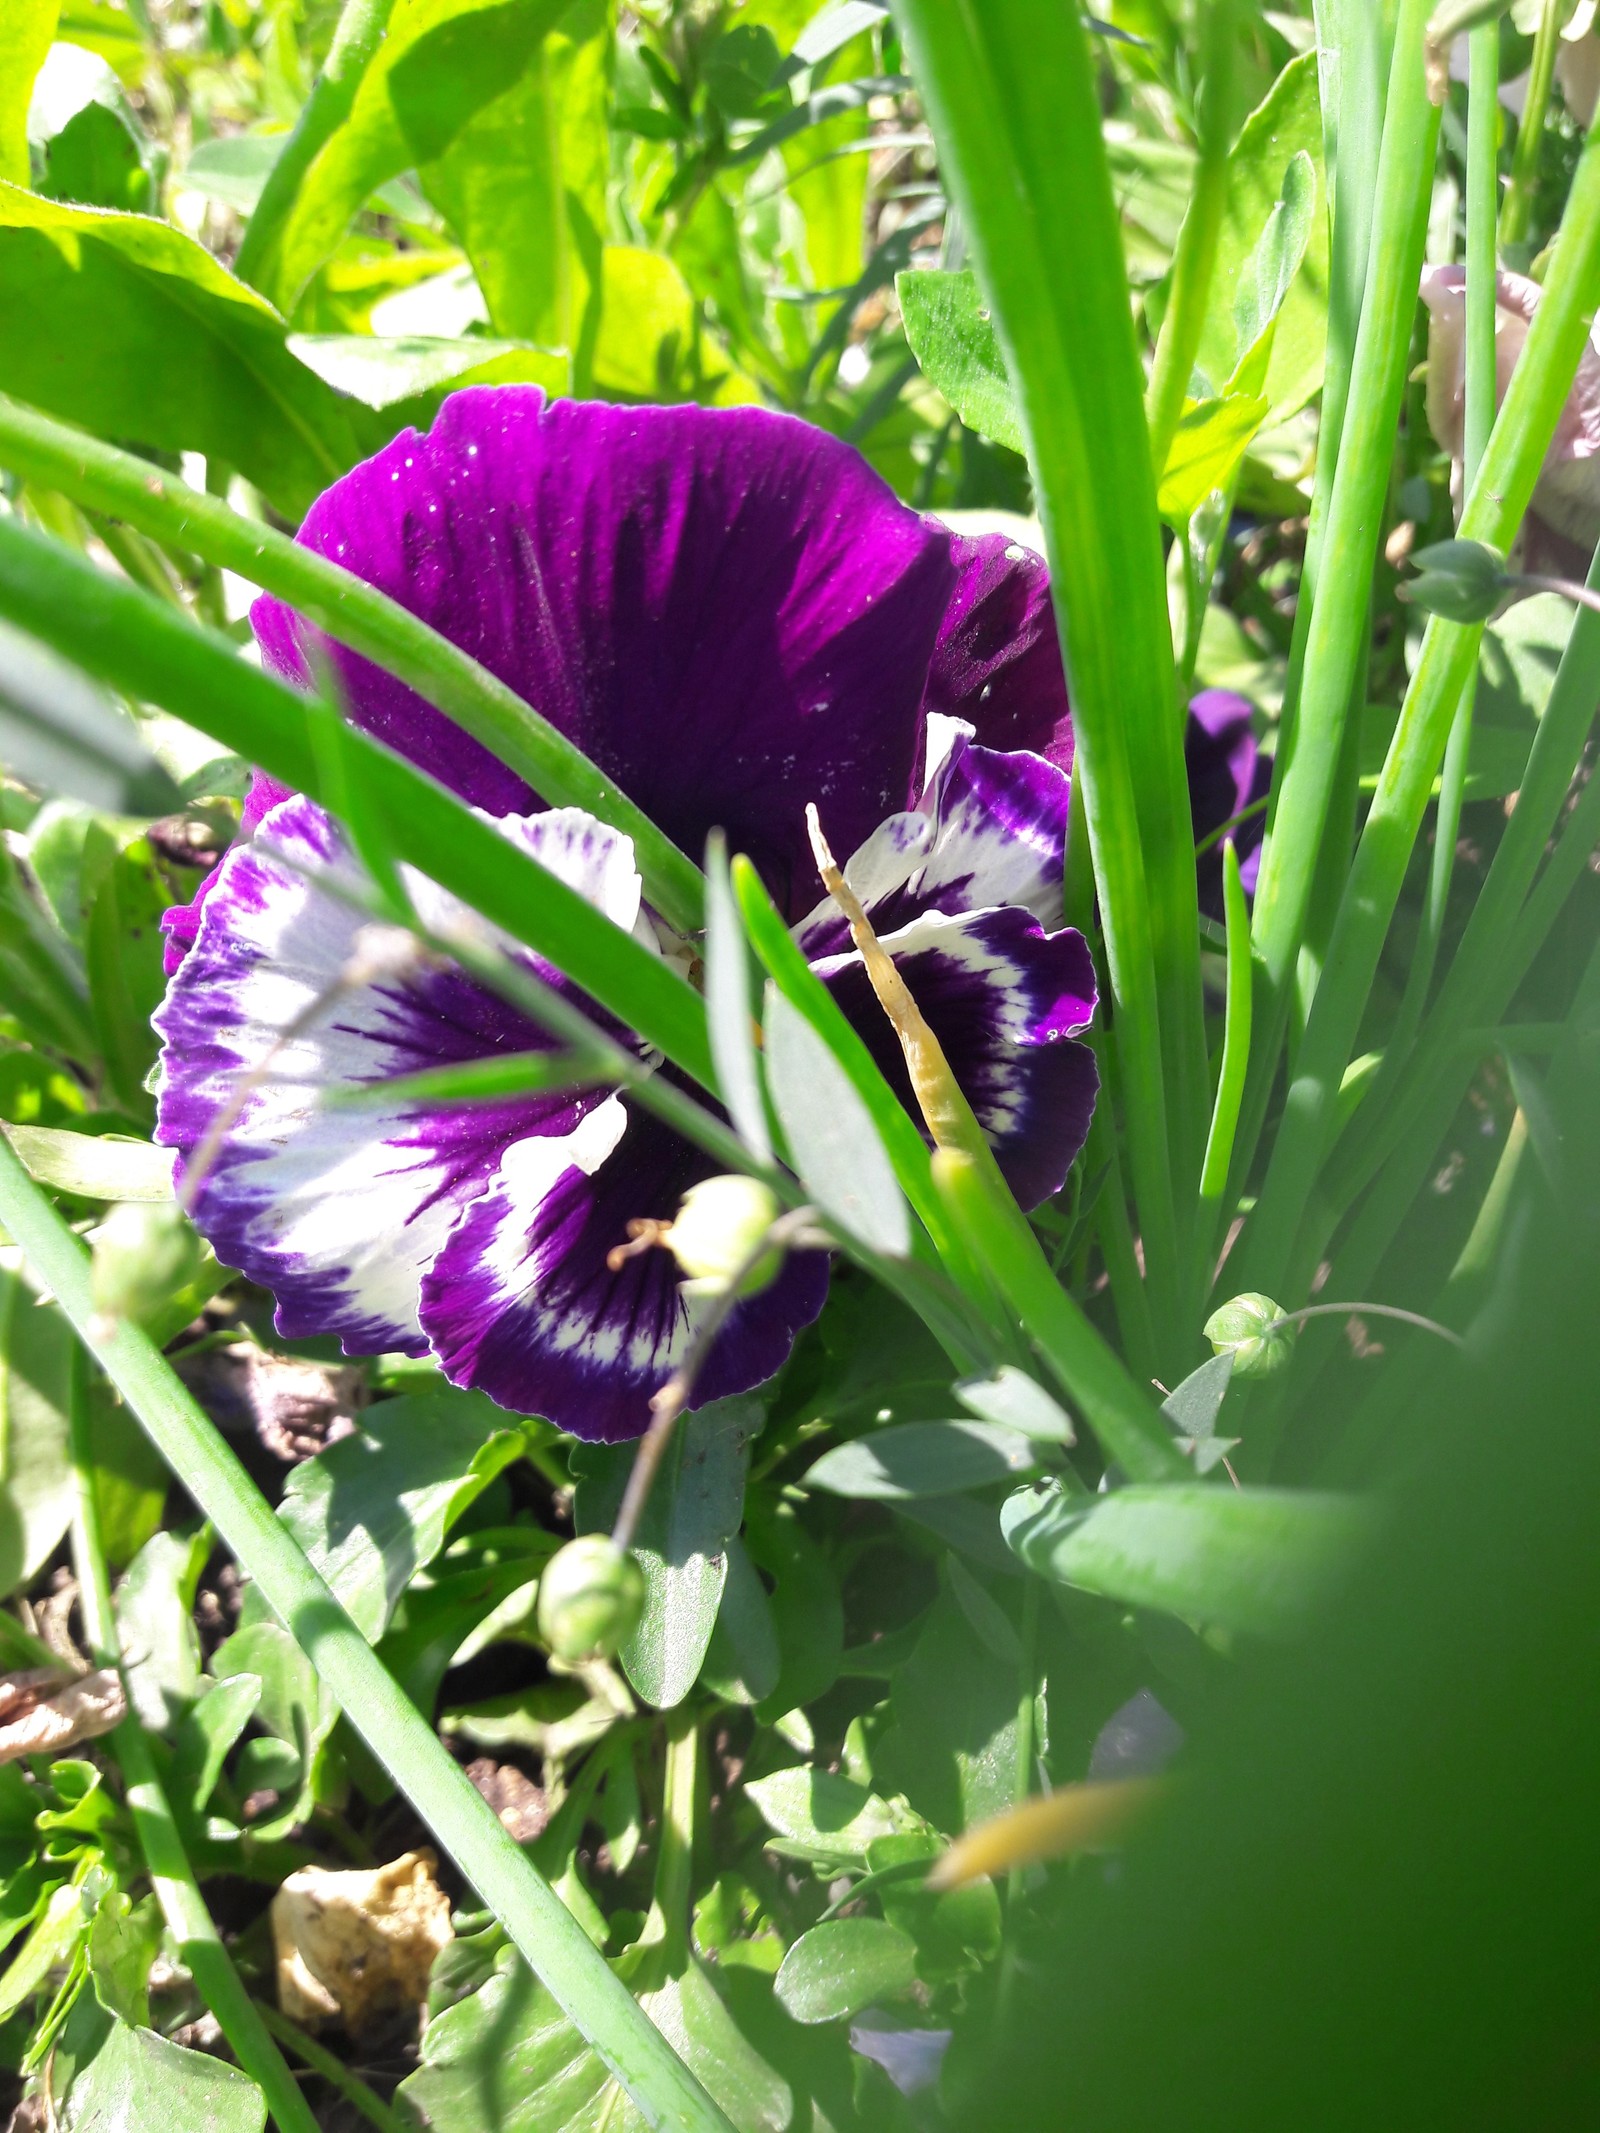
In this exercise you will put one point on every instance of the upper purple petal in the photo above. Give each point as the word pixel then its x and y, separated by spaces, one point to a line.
pixel 727 610
pixel 998 660
pixel 1227 774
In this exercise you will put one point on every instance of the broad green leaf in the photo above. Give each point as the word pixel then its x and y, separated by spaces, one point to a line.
pixel 26 30
pixel 54 1937
pixel 206 1734
pixel 128 327
pixel 682 1541
pixel 507 2060
pixel 293 1709
pixel 441 63
pixel 374 1508
pixel 954 340
pixel 36 1487
pixel 1211 439
pixel 843 1965
pixel 97 1169
pixel 832 1140
pixel 42 985
pixel 1253 1560
pixel 124 1938
pixel 1017 1401
pixel 105 27
pixel 954 1746
pixel 1192 1408
pixel 728 1008
pixel 818 1815
pixel 1285 125
pixel 123 954
pixel 140 2082
pixel 924 1459
pixel 381 372
pixel 130 1477
pixel 84 136
pixel 647 346
pixel 1269 272
pixel 806 1609
pixel 743 1661
pixel 155 1609
pixel 523 187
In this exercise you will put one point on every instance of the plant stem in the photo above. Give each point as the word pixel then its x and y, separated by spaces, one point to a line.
pixel 100 478
pixel 1196 256
pixel 334 2071
pixel 679 1807
pixel 1516 215
pixel 537 1921
pixel 1022 1776
pixel 360 31
pixel 194 1934
pixel 1235 1062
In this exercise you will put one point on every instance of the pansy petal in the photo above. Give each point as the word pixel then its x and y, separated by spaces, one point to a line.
pixel 1005 999
pixel 998 660
pixel 337 1211
pixel 1227 774
pixel 521 1303
pixel 181 922
pixel 991 829
pixel 728 610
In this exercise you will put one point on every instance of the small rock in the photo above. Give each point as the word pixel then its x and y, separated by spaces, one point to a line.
pixel 356 1947
pixel 523 1806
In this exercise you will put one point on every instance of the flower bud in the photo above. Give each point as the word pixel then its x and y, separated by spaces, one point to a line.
pixel 721 1222
pixel 145 1251
pixel 590 1597
pixel 1464 581
pixel 1253 1330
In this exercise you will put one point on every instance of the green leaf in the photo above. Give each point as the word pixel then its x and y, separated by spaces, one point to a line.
pixel 26 30
pixel 139 2082
pixel 207 1733
pixel 441 63
pixel 506 2060
pixel 954 1746
pixel 1284 127
pixel 523 187
pixel 728 1007
pixel 743 1660
pixel 924 1459
pixel 832 1140
pixel 1017 1401
pixel 682 1541
pixel 374 1508
pixel 820 1816
pixel 953 338
pixel 123 953
pixel 155 1625
pixel 63 736
pixel 123 1940
pixel 36 1487
pixel 844 1965
pixel 806 1609
pixel 1269 272
pixel 108 1168
pixel 380 372
pixel 52 1940
pixel 1211 439
pixel 128 327
pixel 1252 1560
pixel 84 134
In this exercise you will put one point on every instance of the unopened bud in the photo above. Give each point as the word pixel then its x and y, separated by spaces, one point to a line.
pixel 145 1251
pixel 1254 1331
pixel 590 1597
pixel 719 1227
pixel 1464 581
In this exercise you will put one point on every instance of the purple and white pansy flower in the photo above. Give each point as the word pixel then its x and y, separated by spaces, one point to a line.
pixel 733 616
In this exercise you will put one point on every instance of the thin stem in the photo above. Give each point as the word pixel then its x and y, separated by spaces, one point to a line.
pixel 1516 215
pixel 1196 256
pixel 193 1931
pixel 333 2070
pixel 1235 1057
pixel 1367 1310
pixel 679 1810
pixel 359 33
pixel 1022 1777
pixel 100 478
pixel 538 1923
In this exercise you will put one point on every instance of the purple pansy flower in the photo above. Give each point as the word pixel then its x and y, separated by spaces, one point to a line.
pixel 733 616
pixel 1227 774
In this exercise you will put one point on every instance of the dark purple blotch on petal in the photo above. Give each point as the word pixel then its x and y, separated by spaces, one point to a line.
pixel 727 610
pixel 997 663
pixel 1227 774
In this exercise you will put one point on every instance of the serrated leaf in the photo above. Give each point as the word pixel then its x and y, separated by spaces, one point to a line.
pixel 375 1507
pixel 832 1140
pixel 1251 1560
pixel 842 1966
pixel 924 1459
pixel 953 339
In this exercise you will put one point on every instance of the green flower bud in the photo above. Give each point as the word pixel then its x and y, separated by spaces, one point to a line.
pixel 720 1223
pixel 590 1597
pixel 1252 1330
pixel 1464 581
pixel 145 1251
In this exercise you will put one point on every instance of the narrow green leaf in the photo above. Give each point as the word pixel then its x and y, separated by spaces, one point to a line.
pixel 844 1965
pixel 1211 439
pixel 64 737
pixel 26 30
pixel 109 1169
pixel 924 1459
pixel 729 1009
pixel 832 1140
pixel 36 1485
pixel 953 338
pixel 1252 1560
